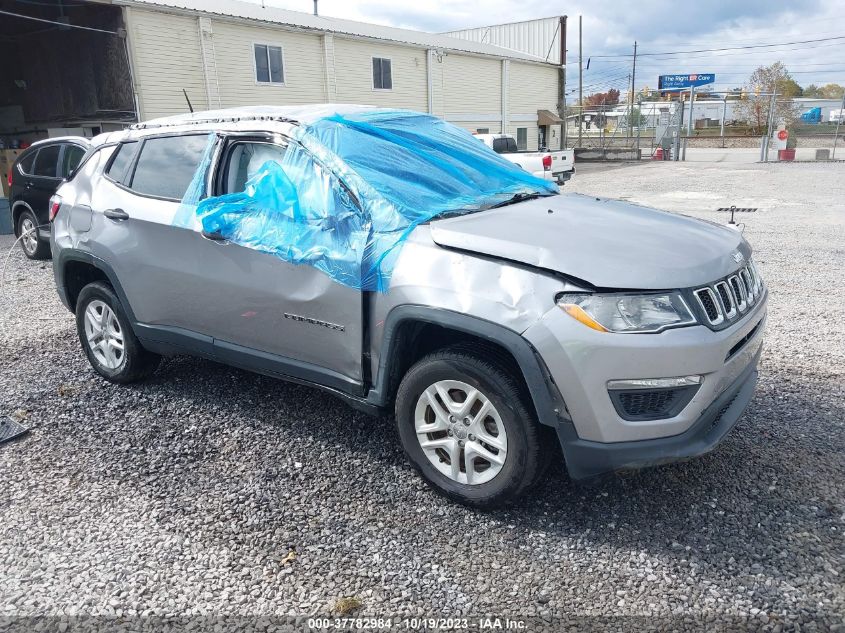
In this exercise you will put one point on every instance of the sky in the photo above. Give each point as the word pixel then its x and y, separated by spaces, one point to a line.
pixel 611 27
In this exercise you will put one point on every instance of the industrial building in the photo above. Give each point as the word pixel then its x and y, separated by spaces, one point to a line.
pixel 139 59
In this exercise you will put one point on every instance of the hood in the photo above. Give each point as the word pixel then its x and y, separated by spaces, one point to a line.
pixel 608 243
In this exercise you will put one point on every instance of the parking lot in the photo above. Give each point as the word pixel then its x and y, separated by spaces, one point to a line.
pixel 212 491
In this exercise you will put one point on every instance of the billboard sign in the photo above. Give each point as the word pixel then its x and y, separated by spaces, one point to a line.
pixel 682 82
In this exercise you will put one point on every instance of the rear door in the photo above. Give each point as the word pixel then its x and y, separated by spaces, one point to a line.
pixel 134 204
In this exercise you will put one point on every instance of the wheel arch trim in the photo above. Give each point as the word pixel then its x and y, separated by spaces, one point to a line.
pixel 68 255
pixel 545 397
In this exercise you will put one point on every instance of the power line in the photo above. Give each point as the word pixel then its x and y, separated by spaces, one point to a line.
pixel 64 24
pixel 727 48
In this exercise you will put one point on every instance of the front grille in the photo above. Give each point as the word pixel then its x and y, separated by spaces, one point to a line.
pixel 708 301
pixel 727 300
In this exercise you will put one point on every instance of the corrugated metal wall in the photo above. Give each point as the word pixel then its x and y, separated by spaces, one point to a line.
pixel 535 37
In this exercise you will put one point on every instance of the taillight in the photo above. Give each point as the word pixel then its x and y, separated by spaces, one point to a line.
pixel 9 177
pixel 547 162
pixel 55 205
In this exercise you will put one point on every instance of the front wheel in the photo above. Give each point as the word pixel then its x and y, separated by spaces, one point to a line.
pixel 466 427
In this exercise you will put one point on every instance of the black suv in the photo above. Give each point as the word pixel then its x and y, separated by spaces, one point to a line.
pixel 33 180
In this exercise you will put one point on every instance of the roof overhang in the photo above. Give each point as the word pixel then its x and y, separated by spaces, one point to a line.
pixel 547 117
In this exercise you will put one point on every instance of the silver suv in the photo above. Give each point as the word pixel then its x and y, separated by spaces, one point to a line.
pixel 630 335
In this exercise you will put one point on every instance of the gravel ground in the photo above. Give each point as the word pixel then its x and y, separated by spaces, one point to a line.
pixel 208 491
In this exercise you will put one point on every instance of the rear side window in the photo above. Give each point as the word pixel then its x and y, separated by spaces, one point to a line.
pixel 504 145
pixel 120 162
pixel 25 165
pixel 70 160
pixel 47 161
pixel 167 164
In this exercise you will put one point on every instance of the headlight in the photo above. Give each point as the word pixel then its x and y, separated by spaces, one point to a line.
pixel 627 313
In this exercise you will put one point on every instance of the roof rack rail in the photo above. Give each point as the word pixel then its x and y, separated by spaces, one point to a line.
pixel 175 121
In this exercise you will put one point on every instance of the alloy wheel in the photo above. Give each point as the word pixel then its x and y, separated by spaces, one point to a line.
pixel 29 235
pixel 104 336
pixel 461 432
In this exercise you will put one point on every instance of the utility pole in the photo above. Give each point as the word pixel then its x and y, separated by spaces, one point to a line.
pixel 838 122
pixel 633 90
pixel 724 114
pixel 580 80
pixel 689 122
pixel 769 123
pixel 629 107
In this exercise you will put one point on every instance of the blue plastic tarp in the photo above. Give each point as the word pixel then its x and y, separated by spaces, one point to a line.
pixel 347 192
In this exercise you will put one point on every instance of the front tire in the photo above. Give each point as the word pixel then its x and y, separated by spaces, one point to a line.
pixel 107 337
pixel 27 230
pixel 466 426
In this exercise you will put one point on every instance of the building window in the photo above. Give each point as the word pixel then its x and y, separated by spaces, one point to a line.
pixel 269 64
pixel 382 74
pixel 521 139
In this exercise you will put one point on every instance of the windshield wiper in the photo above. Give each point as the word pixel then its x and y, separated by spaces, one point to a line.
pixel 520 197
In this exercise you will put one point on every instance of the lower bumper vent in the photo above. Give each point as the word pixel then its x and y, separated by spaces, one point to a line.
pixel 651 404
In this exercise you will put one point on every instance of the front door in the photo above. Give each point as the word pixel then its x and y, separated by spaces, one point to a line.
pixel 262 302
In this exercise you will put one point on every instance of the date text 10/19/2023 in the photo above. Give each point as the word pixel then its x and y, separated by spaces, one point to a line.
pixel 418 624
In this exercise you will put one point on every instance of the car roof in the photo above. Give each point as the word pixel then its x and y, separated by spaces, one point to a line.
pixel 79 140
pixel 291 114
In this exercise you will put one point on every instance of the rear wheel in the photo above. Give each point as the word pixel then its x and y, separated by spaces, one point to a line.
pixel 32 246
pixel 466 427
pixel 107 337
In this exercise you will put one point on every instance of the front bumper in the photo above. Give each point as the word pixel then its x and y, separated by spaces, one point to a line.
pixel 581 361
pixel 586 459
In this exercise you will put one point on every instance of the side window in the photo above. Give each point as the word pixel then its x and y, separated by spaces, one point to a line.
pixel 382 74
pixel 522 138
pixel 504 145
pixel 269 64
pixel 167 164
pixel 26 163
pixel 70 160
pixel 120 162
pixel 47 161
pixel 245 159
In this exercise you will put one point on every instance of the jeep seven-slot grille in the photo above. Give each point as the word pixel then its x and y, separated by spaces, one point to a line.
pixel 729 299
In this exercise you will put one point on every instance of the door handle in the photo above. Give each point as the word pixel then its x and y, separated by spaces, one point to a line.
pixel 116 214
pixel 214 236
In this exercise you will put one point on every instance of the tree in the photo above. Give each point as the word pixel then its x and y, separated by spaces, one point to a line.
pixel 753 106
pixel 611 97
pixel 829 91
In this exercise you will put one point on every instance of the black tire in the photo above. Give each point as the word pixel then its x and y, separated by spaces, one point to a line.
pixel 42 247
pixel 136 363
pixel 526 457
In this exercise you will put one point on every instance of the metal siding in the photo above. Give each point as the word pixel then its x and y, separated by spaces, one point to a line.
pixel 323 24
pixel 168 58
pixel 471 85
pixel 354 72
pixel 303 59
pixel 538 38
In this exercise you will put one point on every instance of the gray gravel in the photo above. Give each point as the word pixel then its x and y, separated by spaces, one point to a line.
pixel 185 495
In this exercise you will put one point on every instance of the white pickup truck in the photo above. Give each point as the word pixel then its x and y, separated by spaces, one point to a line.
pixel 557 165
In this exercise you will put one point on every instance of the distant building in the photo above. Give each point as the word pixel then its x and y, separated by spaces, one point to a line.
pixel 150 58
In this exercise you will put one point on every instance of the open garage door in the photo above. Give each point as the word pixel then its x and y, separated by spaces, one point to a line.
pixel 64 70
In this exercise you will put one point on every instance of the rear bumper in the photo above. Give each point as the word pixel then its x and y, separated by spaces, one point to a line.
pixel 586 459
